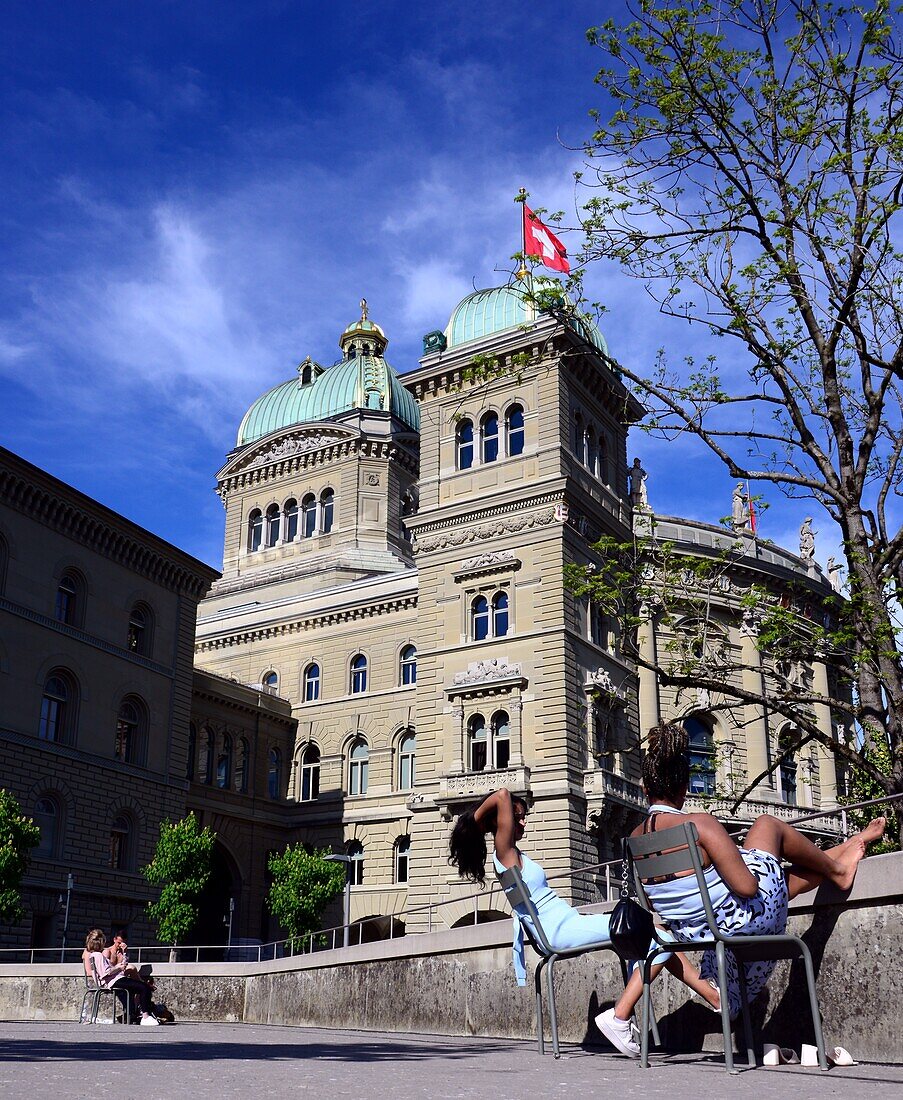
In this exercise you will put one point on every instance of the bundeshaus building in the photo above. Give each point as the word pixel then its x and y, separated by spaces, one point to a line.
pixel 390 639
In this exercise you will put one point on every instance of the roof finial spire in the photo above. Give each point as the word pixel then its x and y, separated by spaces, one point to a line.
pixel 364 311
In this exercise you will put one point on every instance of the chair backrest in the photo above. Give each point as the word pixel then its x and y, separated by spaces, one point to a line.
pixel 518 893
pixel 670 852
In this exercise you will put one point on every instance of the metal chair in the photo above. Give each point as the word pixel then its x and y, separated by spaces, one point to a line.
pixel 95 989
pixel 518 893
pixel 671 852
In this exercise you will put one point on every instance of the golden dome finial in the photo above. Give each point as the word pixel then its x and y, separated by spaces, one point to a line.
pixel 364 311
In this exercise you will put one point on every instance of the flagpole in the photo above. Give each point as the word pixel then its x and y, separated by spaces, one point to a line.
pixel 522 199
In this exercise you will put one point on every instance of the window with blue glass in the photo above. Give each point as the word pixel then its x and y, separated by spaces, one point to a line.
pixel 489 437
pixel 358 674
pixel 702 757
pixel 464 445
pixel 408 664
pixel 514 431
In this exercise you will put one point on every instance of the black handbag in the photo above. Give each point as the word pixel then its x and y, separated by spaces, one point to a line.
pixel 631 925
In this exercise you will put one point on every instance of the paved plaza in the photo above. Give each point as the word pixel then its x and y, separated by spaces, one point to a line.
pixel 64 1061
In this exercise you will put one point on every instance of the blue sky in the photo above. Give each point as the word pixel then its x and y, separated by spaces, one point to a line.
pixel 197 195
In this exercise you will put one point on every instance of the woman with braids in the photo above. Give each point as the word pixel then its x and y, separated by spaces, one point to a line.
pixel 505 817
pixel 748 888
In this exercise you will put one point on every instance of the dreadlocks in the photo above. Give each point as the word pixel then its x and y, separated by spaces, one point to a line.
pixel 666 770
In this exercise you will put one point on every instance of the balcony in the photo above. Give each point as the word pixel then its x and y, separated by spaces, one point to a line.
pixel 827 825
pixel 603 784
pixel 468 786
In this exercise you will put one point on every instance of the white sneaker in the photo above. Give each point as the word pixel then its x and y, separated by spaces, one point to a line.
pixel 150 1021
pixel 618 1032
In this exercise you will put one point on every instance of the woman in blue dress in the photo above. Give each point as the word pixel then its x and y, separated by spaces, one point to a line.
pixel 748 886
pixel 505 818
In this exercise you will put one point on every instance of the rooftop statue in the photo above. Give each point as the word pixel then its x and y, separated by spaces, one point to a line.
pixel 807 540
pixel 638 476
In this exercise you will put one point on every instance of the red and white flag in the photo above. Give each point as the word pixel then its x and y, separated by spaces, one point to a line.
pixel 541 244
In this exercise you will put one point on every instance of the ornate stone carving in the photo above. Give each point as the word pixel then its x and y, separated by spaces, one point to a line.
pixel 480 671
pixel 807 540
pixel 601 681
pixel 293 445
pixel 493 530
pixel 638 477
pixel 489 561
pixel 373 479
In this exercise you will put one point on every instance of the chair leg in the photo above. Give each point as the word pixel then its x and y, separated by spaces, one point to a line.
pixel 647 1006
pixel 747 1025
pixel 813 1005
pixel 553 1015
pixel 725 1009
pixel 537 980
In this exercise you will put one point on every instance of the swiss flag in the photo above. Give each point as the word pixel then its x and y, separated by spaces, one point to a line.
pixel 542 244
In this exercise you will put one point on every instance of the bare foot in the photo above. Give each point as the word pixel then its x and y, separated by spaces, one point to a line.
pixel 848 855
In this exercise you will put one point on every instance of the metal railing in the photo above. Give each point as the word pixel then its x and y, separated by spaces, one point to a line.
pixel 606 888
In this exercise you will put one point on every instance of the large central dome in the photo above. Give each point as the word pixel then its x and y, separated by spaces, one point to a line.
pixel 361 380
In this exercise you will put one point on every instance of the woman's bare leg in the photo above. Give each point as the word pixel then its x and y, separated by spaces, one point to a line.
pixel 681 967
pixel 811 864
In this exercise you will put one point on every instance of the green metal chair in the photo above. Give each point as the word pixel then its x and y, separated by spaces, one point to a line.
pixel 675 851
pixel 518 893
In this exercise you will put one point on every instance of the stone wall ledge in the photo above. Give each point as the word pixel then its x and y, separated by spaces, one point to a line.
pixel 459 981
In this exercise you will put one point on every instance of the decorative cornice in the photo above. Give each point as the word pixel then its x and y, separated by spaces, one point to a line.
pixel 500 561
pixel 312 622
pixel 458 536
pixel 83 636
pixel 77 517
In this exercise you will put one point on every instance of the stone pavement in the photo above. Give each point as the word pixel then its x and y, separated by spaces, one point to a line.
pixel 222 1061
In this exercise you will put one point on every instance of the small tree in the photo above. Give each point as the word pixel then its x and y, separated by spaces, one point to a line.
pixel 182 863
pixel 303 885
pixel 18 835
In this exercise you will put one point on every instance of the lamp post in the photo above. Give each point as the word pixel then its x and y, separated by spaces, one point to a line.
pixel 338 858
pixel 227 921
pixel 70 881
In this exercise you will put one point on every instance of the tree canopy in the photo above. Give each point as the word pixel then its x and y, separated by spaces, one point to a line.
pixel 18 835
pixel 303 885
pixel 182 863
pixel 750 176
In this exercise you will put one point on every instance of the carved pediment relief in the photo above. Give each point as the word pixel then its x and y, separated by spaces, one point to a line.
pixel 287 445
pixel 482 672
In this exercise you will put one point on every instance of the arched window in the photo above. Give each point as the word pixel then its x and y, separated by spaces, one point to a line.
pixel 310 774
pixel 402 852
pixel 476 737
pixel 66 609
pixel 602 460
pixel 274 774
pixel 255 529
pixel 355 851
pixel 290 512
pixel 224 763
pixel 307 374
pixel 274 519
pixel 271 680
pixel 242 766
pixel 598 624
pixel 501 740
pixel 4 562
pixel 407 753
pixel 308 516
pixel 579 439
pixel 479 619
pixel 408 665
pixel 120 843
pixel 464 445
pixel 47 818
pixel 358 767
pixel 130 732
pixel 312 683
pixel 514 431
pixel 489 437
pixel 788 767
pixel 139 635
pixel 702 756
pixel 59 704
pixel 192 750
pixel 327 510
pixel 205 760
pixel 500 614
pixel 591 450
pixel 358 674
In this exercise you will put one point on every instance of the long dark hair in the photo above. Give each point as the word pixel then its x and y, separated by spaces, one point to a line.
pixel 467 843
pixel 666 769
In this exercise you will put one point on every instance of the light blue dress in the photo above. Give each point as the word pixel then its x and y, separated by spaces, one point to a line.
pixel 564 927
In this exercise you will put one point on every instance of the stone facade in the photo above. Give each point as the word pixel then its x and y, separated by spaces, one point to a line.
pixel 97 621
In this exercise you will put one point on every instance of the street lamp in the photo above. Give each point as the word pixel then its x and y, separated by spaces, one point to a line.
pixel 338 858
pixel 70 881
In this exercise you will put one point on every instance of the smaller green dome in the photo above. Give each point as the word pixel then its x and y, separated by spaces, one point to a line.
pixel 504 307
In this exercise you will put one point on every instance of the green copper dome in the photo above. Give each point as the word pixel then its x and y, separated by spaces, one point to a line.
pixel 503 307
pixel 362 380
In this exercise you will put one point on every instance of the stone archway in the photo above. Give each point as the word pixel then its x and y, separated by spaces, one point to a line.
pixel 212 929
